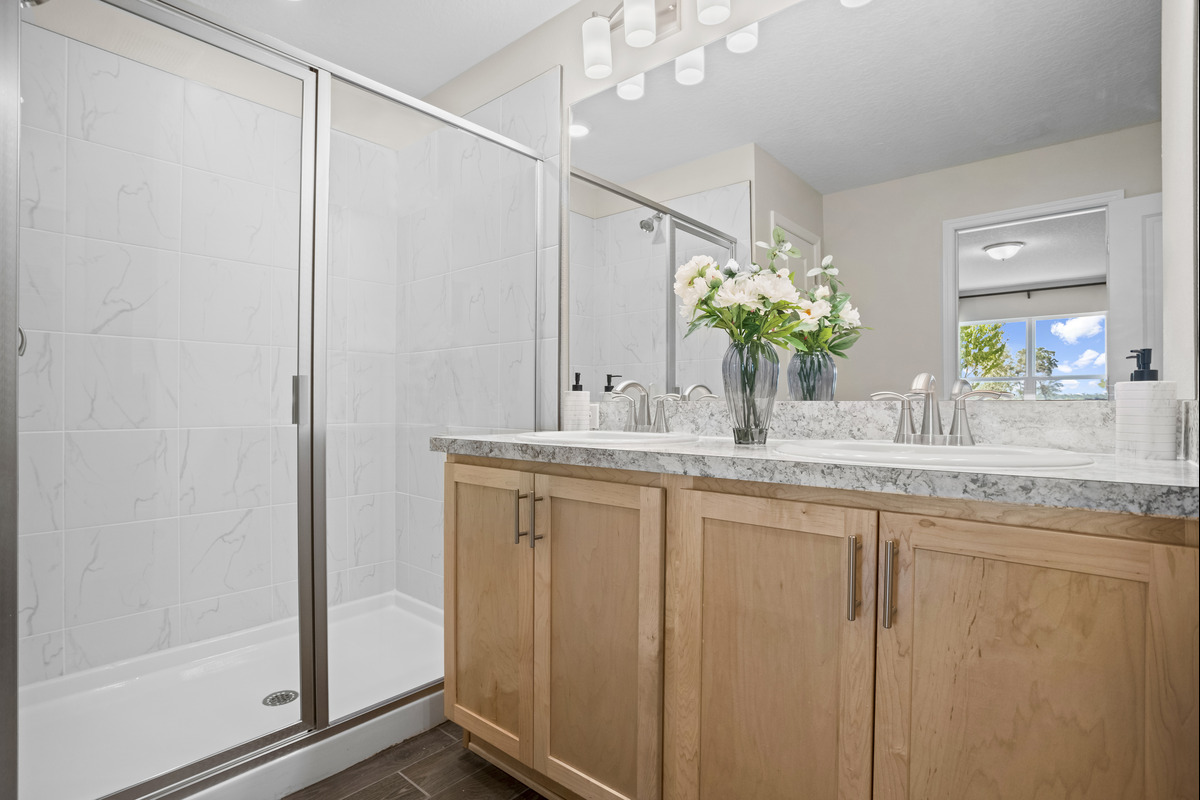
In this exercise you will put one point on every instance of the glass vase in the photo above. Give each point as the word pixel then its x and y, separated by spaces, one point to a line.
pixel 751 373
pixel 811 376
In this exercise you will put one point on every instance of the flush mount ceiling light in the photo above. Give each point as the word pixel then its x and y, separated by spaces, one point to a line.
pixel 578 129
pixel 597 48
pixel 712 12
pixel 1002 251
pixel 743 40
pixel 689 67
pixel 633 88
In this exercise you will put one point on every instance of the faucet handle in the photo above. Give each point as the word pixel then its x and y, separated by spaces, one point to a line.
pixel 904 426
pixel 890 396
pixel 960 426
pixel 960 387
pixel 960 400
pixel 631 418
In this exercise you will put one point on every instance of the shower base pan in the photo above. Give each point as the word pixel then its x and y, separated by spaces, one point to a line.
pixel 89 734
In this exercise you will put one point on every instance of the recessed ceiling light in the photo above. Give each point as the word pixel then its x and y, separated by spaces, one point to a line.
pixel 578 129
pixel 1002 251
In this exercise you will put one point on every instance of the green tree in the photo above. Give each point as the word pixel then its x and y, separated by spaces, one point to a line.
pixel 983 353
pixel 1045 362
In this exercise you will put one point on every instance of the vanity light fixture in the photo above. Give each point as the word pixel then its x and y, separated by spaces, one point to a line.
pixel 1002 251
pixel 632 88
pixel 597 48
pixel 641 22
pixel 854 3
pixel 743 40
pixel 689 67
pixel 712 12
pixel 578 130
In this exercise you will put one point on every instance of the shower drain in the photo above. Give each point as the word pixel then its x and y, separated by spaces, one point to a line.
pixel 280 698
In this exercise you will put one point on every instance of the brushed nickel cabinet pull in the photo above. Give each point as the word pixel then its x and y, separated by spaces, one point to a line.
pixel 851 576
pixel 517 532
pixel 533 522
pixel 889 556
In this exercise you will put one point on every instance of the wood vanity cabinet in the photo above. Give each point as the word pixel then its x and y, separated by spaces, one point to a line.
pixel 771 641
pixel 1033 663
pixel 554 644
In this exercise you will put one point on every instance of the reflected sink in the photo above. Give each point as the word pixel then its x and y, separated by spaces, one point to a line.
pixel 884 453
pixel 606 438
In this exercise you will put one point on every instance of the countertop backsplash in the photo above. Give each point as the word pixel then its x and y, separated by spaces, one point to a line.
pixel 1087 427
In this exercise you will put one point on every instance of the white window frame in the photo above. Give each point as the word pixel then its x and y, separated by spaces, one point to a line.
pixel 1030 379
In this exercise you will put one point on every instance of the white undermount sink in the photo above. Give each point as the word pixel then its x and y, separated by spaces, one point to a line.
pixel 883 453
pixel 606 438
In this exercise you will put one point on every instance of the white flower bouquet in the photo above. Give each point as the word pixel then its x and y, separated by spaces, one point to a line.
pixel 749 303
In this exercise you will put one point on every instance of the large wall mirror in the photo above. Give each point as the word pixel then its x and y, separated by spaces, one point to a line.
pixel 906 140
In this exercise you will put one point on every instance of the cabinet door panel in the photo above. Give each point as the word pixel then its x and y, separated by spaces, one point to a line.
pixel 597 594
pixel 768 680
pixel 489 607
pixel 1016 665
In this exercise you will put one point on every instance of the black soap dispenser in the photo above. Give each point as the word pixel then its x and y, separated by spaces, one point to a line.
pixel 1142 362
pixel 608 386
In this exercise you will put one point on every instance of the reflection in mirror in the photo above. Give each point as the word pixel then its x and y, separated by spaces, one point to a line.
pixel 945 110
pixel 624 253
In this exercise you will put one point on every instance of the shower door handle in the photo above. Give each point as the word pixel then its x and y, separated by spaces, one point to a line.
pixel 21 341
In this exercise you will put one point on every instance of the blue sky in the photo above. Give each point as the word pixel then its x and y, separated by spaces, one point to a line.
pixel 1079 343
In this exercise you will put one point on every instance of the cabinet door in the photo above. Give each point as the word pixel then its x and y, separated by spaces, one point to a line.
pixel 489 606
pixel 1023 663
pixel 598 634
pixel 770 649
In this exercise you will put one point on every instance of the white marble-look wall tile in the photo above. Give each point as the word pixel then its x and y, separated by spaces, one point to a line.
pixel 43 78
pixel 118 102
pixel 516 279
pixel 39 583
pixel 370 580
pixel 518 204
pixel 426 469
pixel 515 386
pixel 287 152
pixel 363 174
pixel 224 468
pixel 337 313
pixel 548 281
pixel 228 135
pixel 371 528
pixel 371 326
pixel 401 544
pixel 40 383
pixel 547 385
pixel 337 522
pixel 337 390
pixel 285 600
pixel 223 553
pixel 428 314
pixel 284 305
pixel 284 365
pixel 530 113
pixel 371 459
pixel 284 544
pixel 40 481
pixel 283 464
pixel 122 197
pixel 116 382
pixel 224 301
pixel 425 534
pixel 424 586
pixel 474 309
pixel 336 460
pixel 223 385
pixel 469 171
pixel 42 177
pixel 218 616
pixel 228 218
pixel 286 226
pixel 121 290
pixel 551 194
pixel 41 280
pixel 120 476
pixel 417 174
pixel 471 401
pixel 371 247
pixel 433 229
pixel 120 570
pixel 100 643
pixel 39 658
pixel 371 387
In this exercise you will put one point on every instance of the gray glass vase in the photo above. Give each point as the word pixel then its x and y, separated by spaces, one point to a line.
pixel 751 373
pixel 811 376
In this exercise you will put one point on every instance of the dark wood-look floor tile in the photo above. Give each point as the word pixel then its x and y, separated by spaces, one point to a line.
pixel 489 783
pixel 452 730
pixel 379 766
pixel 393 787
pixel 529 794
pixel 443 769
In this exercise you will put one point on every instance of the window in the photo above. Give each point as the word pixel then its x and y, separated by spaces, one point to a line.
pixel 1038 358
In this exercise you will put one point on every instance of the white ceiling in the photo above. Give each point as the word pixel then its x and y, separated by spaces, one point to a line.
pixel 1057 252
pixel 851 97
pixel 411 45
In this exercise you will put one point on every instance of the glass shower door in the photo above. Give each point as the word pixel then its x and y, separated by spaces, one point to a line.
pixel 694 359
pixel 160 278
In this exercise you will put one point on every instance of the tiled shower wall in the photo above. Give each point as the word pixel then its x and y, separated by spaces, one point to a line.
pixel 620 281
pixel 159 265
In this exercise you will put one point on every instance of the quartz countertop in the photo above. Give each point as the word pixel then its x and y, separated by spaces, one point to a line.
pixel 1111 483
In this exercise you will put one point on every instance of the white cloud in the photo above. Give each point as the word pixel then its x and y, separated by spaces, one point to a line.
pixel 1077 328
pixel 1101 360
pixel 1070 384
pixel 1086 359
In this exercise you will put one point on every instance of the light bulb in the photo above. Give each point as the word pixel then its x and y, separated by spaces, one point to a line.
pixel 712 12
pixel 597 48
pixel 578 129
pixel 743 40
pixel 854 3
pixel 632 88
pixel 689 67
pixel 641 23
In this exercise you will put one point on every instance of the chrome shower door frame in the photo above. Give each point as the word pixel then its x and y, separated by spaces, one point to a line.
pixel 710 235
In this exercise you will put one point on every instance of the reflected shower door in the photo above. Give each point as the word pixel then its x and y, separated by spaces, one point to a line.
pixel 160 269
pixel 694 359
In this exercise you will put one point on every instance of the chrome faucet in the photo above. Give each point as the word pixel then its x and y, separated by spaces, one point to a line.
pixel 695 387
pixel 905 429
pixel 661 423
pixel 960 428
pixel 925 385
pixel 641 411
pixel 631 417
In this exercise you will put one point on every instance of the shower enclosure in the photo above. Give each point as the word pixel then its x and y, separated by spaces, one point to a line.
pixel 247 287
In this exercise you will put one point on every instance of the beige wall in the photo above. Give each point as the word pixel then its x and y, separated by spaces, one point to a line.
pixel 887 239
pixel 560 41
pixel 776 188
pixel 1179 194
